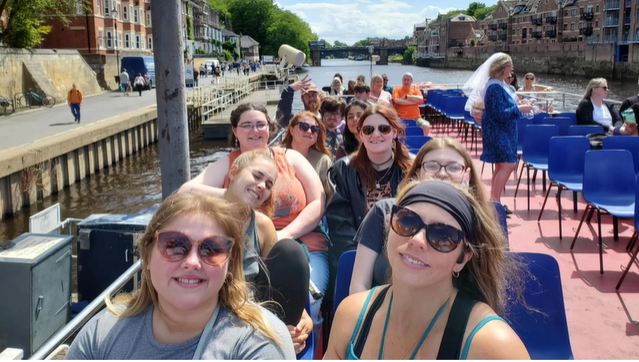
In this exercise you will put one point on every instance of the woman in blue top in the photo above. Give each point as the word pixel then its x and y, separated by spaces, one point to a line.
pixel 448 285
pixel 498 122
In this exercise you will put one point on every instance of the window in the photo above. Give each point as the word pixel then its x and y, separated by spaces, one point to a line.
pixel 596 23
pixel 597 9
pixel 150 43
pixel 565 26
pixel 141 17
pixel 148 19
pixel 100 40
pixel 97 7
pixel 581 10
pixel 566 13
pixel 137 41
pixel 119 12
pixel 106 7
pixel 572 26
pixel 126 40
pixel 78 7
pixel 125 15
pixel 580 25
pixel 573 12
pixel 109 39
pixel 589 9
pixel 135 15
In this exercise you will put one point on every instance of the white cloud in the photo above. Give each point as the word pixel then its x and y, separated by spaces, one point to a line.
pixel 357 20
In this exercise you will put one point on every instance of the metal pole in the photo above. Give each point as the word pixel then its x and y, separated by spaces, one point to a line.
pixel 171 97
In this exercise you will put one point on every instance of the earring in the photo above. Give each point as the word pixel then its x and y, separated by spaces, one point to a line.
pixel 455 274
pixel 229 276
pixel 237 143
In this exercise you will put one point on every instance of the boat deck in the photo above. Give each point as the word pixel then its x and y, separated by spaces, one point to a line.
pixel 603 323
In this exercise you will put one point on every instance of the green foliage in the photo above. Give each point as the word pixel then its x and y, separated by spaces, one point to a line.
pixel 220 7
pixel 408 55
pixel 340 44
pixel 363 43
pixel 326 44
pixel 472 42
pixel 189 23
pixel 473 7
pixel 452 43
pixel 227 55
pixel 477 10
pixel 24 27
pixel 482 13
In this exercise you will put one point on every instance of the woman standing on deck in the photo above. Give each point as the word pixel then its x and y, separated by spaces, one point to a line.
pixel 499 119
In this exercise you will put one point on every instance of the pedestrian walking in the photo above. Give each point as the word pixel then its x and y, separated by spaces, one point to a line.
pixel 195 78
pixel 125 81
pixel 74 100
pixel 139 84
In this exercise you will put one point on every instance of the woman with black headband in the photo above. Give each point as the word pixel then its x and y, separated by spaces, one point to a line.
pixel 448 286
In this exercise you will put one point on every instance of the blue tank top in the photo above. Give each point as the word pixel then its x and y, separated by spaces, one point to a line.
pixel 350 353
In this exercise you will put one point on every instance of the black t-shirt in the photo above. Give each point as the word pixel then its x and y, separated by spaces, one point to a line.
pixel 373 232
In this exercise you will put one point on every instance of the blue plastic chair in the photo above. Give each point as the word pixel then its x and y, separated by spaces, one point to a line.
pixel 544 334
pixel 501 217
pixel 633 240
pixel 624 143
pixel 343 277
pixel 414 131
pixel 416 142
pixel 535 151
pixel 409 122
pixel 609 185
pixel 571 115
pixel 582 130
pixel 563 123
pixel 539 116
pixel 308 352
pixel 566 159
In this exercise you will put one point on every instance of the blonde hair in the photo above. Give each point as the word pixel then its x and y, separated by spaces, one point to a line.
pixel 491 275
pixel 594 83
pixel 499 65
pixel 246 159
pixel 376 77
pixel 234 295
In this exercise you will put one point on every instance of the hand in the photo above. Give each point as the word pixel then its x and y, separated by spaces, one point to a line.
pixel 300 84
pixel 465 184
pixel 298 338
pixel 525 108
pixel 282 234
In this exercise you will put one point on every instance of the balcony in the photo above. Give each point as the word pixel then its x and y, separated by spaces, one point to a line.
pixel 536 21
pixel 551 19
pixel 611 5
pixel 626 20
pixel 503 25
pixel 492 26
pixel 503 36
pixel 551 33
pixel 587 16
pixel 536 34
pixel 632 38
pixel 492 37
pixel 585 31
pixel 611 22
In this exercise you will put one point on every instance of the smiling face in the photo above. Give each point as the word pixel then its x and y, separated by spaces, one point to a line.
pixel 414 262
pixel 406 82
pixel 332 119
pixel 377 142
pixel 442 156
pixel 252 130
pixel 252 184
pixel 311 101
pixel 189 284
pixel 377 85
pixel 304 139
pixel 352 118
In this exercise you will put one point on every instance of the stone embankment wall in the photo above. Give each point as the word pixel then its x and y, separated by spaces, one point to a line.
pixel 52 71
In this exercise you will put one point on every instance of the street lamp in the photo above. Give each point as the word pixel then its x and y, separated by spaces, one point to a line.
pixel 114 14
pixel 370 56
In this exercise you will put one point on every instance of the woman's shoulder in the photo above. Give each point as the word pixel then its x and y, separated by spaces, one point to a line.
pixel 492 337
pixel 585 103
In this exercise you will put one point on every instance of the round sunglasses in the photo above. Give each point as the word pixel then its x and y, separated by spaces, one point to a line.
pixel 176 246
pixel 304 127
pixel 383 129
pixel 441 237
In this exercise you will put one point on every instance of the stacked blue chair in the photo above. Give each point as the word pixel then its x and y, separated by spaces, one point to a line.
pixel 535 151
pixel 414 131
pixel 409 122
pixel 343 278
pixel 521 127
pixel 624 143
pixel 632 240
pixel 566 159
pixel 571 115
pixel 563 123
pixel 414 143
pixel 583 130
pixel 609 185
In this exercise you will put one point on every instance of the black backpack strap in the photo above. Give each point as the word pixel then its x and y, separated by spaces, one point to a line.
pixel 368 320
pixel 451 345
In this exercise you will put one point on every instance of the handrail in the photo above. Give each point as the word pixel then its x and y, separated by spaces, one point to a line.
pixel 86 313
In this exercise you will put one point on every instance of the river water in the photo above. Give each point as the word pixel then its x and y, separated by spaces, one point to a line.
pixel 134 183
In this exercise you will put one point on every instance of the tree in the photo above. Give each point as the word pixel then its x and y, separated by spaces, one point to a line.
pixel 221 7
pixel 473 7
pixel 289 29
pixel 408 55
pixel 252 17
pixel 340 44
pixel 25 19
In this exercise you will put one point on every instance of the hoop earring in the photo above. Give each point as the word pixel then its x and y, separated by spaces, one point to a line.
pixel 455 274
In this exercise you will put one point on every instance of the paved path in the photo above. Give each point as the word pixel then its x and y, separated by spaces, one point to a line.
pixel 29 126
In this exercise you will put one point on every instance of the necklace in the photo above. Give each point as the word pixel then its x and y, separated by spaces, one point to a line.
pixel 377 181
pixel 421 340
pixel 379 165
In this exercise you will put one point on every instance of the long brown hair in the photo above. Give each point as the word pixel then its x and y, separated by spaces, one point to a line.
pixel 248 158
pixel 237 113
pixel 491 275
pixel 360 160
pixel 234 295
pixel 320 143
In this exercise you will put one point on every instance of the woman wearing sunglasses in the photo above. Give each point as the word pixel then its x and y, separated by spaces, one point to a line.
pixel 531 86
pixel 447 290
pixel 440 158
pixel 593 110
pixel 372 173
pixel 193 301
pixel 350 142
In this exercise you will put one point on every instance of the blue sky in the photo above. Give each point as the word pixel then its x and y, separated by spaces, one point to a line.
pixel 351 20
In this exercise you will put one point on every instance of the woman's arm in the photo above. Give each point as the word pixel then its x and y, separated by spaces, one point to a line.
pixel 343 326
pixel 616 117
pixel 311 215
pixel 211 180
pixel 362 278
pixel 265 233
pixel 584 112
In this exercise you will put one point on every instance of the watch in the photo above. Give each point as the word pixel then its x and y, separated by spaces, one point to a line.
pixel 406 96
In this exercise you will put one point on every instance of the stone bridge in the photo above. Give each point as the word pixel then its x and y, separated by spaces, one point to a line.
pixel 318 52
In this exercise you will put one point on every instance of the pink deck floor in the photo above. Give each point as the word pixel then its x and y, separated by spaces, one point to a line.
pixel 603 323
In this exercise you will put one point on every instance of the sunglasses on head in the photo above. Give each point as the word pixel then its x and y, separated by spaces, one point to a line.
pixel 383 129
pixel 441 237
pixel 176 246
pixel 304 127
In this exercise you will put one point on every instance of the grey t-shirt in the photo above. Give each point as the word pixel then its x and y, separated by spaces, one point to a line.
pixel 106 336
pixel 372 233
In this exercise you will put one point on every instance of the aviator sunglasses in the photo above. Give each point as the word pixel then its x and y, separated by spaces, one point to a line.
pixel 176 246
pixel 304 127
pixel 441 237
pixel 383 129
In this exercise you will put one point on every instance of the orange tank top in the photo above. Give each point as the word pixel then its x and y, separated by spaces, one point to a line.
pixel 289 198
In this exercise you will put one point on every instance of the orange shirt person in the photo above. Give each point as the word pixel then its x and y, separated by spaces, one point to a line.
pixel 407 99
pixel 74 100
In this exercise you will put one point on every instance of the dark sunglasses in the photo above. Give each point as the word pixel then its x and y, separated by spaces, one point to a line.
pixel 441 237
pixel 176 246
pixel 383 129
pixel 304 127
pixel 528 78
pixel 605 88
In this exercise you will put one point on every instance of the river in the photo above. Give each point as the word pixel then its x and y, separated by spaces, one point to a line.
pixel 134 183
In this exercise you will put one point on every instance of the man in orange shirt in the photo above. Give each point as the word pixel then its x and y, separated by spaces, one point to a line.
pixel 74 100
pixel 407 99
